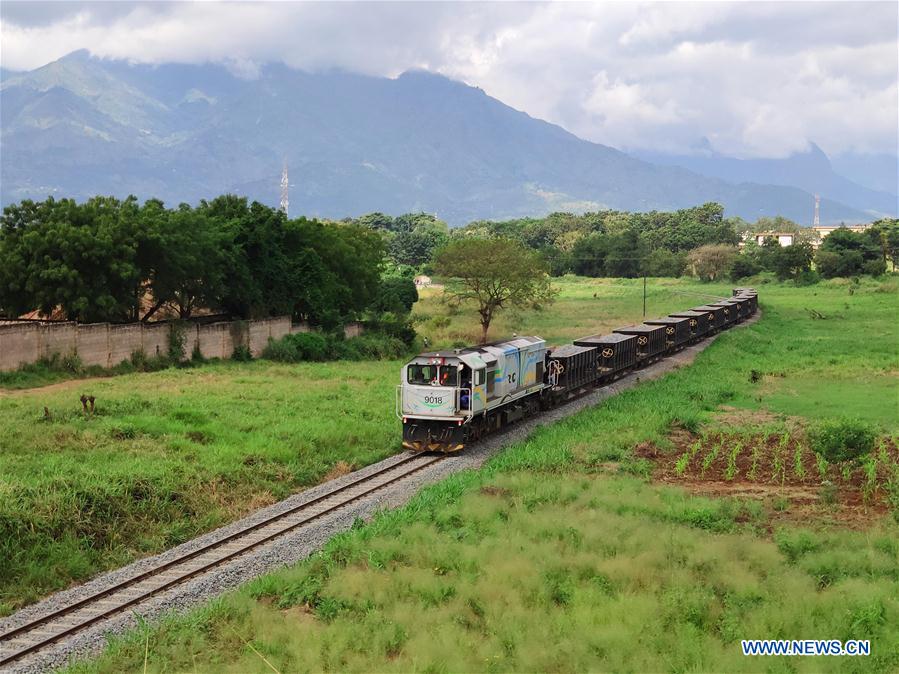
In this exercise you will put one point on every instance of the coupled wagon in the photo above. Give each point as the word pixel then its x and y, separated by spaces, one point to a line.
pixel 448 399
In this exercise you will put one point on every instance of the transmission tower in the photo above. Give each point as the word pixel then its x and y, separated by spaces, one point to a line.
pixel 817 210
pixel 285 188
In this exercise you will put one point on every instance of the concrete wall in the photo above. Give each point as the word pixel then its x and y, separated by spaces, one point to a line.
pixel 57 338
pixel 124 340
pixel 92 344
pixel 155 339
pixel 108 345
pixel 19 345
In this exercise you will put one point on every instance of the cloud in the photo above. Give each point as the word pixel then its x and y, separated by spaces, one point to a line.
pixel 755 78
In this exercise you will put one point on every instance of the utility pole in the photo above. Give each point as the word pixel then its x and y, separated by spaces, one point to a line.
pixel 644 294
pixel 285 188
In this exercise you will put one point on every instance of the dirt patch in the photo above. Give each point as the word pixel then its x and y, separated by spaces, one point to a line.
pixel 340 469
pixel 735 416
pixel 781 471
pixel 50 388
pixel 490 490
pixel 302 614
pixel 259 500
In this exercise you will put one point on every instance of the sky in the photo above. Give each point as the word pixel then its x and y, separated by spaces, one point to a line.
pixel 756 79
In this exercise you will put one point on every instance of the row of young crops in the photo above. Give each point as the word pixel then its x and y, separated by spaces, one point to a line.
pixel 792 457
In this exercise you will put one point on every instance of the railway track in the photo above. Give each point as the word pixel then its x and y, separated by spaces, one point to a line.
pixel 126 595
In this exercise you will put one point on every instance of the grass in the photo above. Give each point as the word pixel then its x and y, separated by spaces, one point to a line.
pixel 168 455
pixel 52 371
pixel 560 555
pixel 583 306
pixel 173 453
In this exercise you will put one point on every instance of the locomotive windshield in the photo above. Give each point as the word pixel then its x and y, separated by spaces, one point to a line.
pixel 444 375
pixel 422 374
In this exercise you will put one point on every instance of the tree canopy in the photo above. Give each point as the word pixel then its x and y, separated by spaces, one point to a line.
pixel 494 274
pixel 101 260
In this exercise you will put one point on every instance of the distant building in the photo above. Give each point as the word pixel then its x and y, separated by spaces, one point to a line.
pixel 821 231
pixel 783 238
pixel 815 235
pixel 422 281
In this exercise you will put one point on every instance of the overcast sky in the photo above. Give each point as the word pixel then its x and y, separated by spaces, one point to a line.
pixel 755 78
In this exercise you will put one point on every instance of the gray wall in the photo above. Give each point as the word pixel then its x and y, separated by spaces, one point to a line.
pixel 107 345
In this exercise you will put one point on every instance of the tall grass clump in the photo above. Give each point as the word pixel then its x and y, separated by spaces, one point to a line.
pixel 298 347
pixel 844 439
pixel 311 346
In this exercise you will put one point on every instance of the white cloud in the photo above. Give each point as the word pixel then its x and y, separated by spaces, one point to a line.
pixel 757 79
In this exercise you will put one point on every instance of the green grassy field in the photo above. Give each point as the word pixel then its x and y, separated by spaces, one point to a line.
pixel 583 306
pixel 565 554
pixel 171 454
pixel 168 455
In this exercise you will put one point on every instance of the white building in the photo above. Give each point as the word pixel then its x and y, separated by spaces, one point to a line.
pixel 783 238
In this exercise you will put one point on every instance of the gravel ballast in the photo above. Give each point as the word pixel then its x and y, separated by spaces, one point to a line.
pixel 299 544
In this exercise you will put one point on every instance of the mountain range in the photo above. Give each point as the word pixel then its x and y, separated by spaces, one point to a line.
pixel 82 126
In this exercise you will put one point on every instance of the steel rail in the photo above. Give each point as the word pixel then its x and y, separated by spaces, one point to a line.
pixel 30 626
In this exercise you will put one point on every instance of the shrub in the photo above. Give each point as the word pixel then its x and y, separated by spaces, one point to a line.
pixel 307 346
pixel 843 439
pixel 874 267
pixel 241 353
pixel 807 277
pixel 177 341
pixel 144 363
pixel 71 363
pixel 396 294
pixel 399 327
pixel 743 267
pixel 298 347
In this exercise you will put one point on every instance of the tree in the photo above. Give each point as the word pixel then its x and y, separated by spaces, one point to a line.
pixel 744 266
pixel 80 257
pixel 185 259
pixel 397 294
pixel 886 233
pixel 767 253
pixel 376 221
pixel 790 262
pixel 711 261
pixel 847 253
pixel 662 262
pixel 494 274
pixel 589 255
pixel 626 255
pixel 776 224
pixel 416 248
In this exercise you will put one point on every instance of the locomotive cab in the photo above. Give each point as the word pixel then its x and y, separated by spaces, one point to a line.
pixel 440 393
pixel 447 398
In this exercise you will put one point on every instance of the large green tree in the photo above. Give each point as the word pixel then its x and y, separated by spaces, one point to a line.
pixel 712 261
pixel 847 253
pixel 83 258
pixel 185 259
pixel 494 274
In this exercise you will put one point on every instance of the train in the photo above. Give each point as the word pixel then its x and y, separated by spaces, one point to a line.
pixel 450 399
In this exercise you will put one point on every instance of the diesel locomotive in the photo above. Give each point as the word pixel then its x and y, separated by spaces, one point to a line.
pixel 448 399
